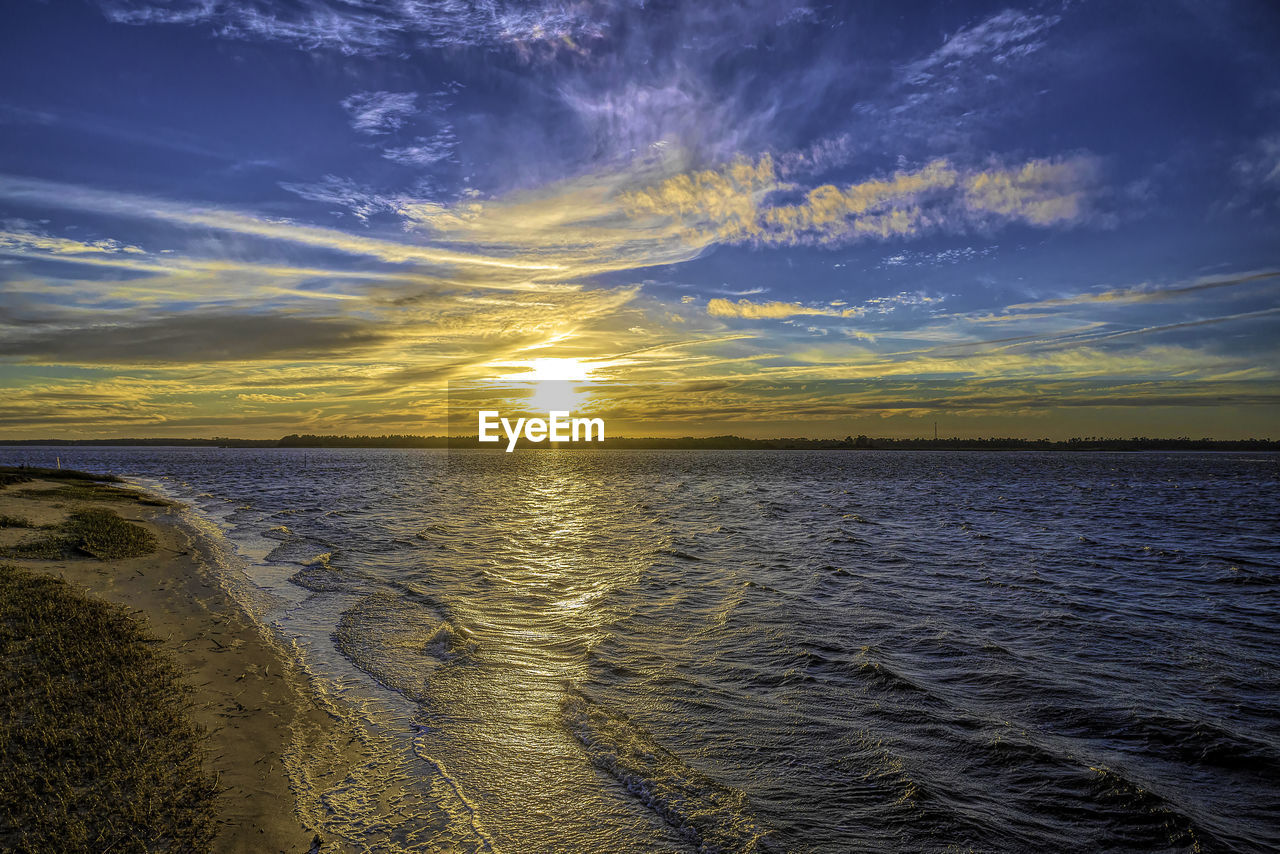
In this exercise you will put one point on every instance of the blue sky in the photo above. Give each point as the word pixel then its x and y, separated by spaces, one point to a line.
pixel 251 218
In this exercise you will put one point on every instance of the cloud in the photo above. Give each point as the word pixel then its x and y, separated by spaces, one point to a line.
pixel 1256 174
pixel 361 202
pixel 1040 192
pixel 196 337
pixel 258 397
pixel 909 258
pixel 718 307
pixel 1148 293
pixel 733 204
pixel 956 98
pixel 425 150
pixel 57 195
pixel 744 308
pixel 710 205
pixel 998 39
pixel 373 29
pixel 23 242
pixel 1262 164
pixel 888 304
pixel 379 112
pixel 578 227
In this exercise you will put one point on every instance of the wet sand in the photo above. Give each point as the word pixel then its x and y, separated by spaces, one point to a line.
pixel 247 693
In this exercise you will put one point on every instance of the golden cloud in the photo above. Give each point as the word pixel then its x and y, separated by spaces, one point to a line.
pixel 746 308
pixel 732 204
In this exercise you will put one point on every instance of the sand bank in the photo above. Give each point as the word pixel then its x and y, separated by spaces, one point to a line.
pixel 247 693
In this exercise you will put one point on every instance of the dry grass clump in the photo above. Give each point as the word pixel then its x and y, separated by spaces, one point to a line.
pixel 97 752
pixel 97 532
pixel 7 521
pixel 106 536
pixel 53 547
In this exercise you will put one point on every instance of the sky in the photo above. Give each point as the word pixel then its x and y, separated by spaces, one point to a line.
pixel 243 218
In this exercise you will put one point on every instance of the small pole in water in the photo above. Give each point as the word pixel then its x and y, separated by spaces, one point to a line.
pixel 59 459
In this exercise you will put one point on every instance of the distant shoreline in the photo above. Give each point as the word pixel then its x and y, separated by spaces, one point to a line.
pixel 689 443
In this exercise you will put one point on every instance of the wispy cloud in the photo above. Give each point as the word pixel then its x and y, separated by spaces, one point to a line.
pixel 425 150
pixel 379 112
pixel 910 258
pixel 1150 293
pixel 23 242
pixel 772 310
pixel 777 309
pixel 998 39
pixel 361 202
pixel 196 337
pixel 373 29
pixel 55 195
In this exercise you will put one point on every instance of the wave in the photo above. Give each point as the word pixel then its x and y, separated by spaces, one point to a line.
pixel 1244 572
pixel 1139 819
pixel 1101 802
pixel 1171 737
pixel 713 817
pixel 319 577
pixel 450 643
pixel 400 642
pixel 299 550
pixel 882 676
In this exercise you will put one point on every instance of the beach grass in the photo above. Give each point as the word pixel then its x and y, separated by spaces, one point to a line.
pixel 22 474
pixel 7 521
pixel 97 752
pixel 106 536
pixel 80 486
pixel 53 547
pixel 98 532
pixel 92 492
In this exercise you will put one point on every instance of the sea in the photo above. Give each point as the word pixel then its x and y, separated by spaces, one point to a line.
pixel 761 651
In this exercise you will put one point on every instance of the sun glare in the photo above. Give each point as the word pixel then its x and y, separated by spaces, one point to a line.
pixel 552 383
pixel 572 370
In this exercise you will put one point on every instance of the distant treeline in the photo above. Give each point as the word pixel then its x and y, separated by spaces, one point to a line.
pixel 1091 443
pixel 217 442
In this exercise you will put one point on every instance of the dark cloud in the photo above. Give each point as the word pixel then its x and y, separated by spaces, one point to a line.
pixel 196 337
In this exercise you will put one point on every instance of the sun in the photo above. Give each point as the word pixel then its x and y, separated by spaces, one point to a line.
pixel 570 370
pixel 552 383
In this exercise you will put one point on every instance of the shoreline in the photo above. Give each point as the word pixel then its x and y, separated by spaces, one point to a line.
pixel 247 693
pixel 688 443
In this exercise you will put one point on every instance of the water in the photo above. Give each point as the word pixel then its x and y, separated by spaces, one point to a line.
pixel 768 651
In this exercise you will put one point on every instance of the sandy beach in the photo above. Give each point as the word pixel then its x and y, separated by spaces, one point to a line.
pixel 246 692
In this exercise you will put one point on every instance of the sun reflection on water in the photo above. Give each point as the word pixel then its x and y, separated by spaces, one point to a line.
pixel 556 542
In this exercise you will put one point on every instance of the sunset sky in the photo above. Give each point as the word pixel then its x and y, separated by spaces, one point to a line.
pixel 245 218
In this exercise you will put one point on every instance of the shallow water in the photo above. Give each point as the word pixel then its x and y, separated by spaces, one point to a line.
pixel 774 651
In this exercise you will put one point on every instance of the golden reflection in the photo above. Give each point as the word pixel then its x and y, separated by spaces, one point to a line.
pixel 560 543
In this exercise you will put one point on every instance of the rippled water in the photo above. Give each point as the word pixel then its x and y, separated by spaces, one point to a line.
pixel 771 651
